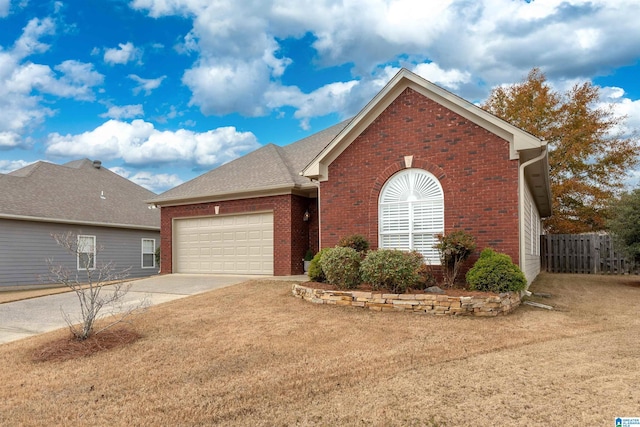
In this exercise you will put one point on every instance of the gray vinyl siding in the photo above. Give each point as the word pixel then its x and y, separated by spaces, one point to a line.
pixel 26 245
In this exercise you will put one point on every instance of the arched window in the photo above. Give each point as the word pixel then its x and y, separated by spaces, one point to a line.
pixel 411 213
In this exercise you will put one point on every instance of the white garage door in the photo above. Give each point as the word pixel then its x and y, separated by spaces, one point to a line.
pixel 235 244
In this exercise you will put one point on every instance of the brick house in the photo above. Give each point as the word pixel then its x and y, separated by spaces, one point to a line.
pixel 415 162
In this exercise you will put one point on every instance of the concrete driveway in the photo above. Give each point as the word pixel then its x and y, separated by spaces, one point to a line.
pixel 34 316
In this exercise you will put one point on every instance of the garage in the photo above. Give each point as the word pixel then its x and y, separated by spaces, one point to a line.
pixel 232 244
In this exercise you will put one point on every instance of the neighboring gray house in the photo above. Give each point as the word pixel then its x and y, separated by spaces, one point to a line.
pixel 107 212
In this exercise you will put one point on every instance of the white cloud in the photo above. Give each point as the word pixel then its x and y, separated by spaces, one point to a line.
pixel 24 85
pixel 447 41
pixel 7 166
pixel 153 182
pixel 10 140
pixel 622 107
pixel 148 85
pixel 29 42
pixel 448 78
pixel 224 88
pixel 4 8
pixel 139 143
pixel 124 112
pixel 125 52
pixel 158 8
pixel 77 81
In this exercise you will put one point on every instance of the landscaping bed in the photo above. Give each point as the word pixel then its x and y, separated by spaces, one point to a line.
pixel 453 302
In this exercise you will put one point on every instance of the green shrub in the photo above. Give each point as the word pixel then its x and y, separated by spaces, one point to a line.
pixel 341 266
pixel 454 248
pixel 495 272
pixel 308 256
pixel 315 268
pixel 392 269
pixel 355 241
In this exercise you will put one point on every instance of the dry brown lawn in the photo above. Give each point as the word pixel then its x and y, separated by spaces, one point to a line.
pixel 252 354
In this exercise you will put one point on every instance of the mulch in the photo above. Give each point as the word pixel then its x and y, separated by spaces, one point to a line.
pixel 71 348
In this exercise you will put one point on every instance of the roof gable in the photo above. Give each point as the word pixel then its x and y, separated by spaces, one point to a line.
pixel 518 139
pixel 77 192
pixel 270 168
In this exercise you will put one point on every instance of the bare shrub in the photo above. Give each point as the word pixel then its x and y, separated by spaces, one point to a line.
pixel 87 282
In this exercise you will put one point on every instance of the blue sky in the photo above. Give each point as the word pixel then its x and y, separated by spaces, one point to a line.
pixel 164 90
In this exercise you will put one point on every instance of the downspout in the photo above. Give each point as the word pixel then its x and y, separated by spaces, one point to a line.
pixel 521 189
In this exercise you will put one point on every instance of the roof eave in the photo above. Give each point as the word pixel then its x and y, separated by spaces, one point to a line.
pixel 537 176
pixel 78 222
pixel 275 190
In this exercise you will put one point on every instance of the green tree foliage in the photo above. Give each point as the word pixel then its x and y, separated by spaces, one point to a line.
pixel 625 224
pixel 588 156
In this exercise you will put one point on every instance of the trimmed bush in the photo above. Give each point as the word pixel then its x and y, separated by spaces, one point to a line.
pixel 341 266
pixel 495 272
pixel 355 241
pixel 392 269
pixel 315 268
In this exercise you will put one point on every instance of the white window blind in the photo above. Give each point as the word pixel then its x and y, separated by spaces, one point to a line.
pixel 411 213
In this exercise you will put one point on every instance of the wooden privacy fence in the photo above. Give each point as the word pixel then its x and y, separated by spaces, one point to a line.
pixel 582 253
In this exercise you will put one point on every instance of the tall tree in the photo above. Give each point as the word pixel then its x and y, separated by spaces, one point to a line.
pixel 589 157
pixel 625 224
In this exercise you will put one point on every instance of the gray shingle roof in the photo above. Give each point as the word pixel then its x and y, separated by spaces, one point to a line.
pixel 72 193
pixel 266 168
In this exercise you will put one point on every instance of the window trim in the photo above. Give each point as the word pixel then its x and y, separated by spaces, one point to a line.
pixel 437 196
pixel 78 252
pixel 143 253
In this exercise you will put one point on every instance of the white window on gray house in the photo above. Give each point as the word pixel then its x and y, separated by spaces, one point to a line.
pixel 411 213
pixel 148 253
pixel 86 252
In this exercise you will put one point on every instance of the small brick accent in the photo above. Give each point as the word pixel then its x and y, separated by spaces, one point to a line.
pixel 439 305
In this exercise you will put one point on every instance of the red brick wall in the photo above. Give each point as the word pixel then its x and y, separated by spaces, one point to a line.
pixel 480 183
pixel 291 234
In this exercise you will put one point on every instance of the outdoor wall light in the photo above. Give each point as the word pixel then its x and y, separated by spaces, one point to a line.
pixel 216 209
pixel 306 216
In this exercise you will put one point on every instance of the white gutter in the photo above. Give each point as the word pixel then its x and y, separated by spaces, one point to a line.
pixel 521 206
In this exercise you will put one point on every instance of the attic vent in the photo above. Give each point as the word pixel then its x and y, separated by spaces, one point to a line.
pixel 97 164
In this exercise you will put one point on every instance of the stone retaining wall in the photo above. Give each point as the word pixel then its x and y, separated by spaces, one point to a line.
pixel 443 305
